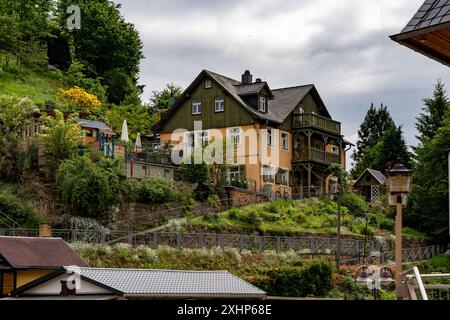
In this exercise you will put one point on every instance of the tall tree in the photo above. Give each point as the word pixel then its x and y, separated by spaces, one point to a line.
pixel 428 205
pixel 385 153
pixel 371 131
pixel 163 100
pixel 431 119
pixel 105 43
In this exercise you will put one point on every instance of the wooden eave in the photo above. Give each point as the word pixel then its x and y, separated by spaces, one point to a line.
pixel 433 42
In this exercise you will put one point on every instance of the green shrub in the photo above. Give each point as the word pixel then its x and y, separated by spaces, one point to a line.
pixel 91 189
pixel 313 279
pixel 14 208
pixel 155 190
pixel 356 204
pixel 440 264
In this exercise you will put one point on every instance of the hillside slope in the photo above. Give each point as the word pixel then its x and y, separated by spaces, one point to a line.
pixel 39 86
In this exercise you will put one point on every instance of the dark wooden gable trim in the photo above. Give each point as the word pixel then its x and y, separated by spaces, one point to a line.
pixel 186 95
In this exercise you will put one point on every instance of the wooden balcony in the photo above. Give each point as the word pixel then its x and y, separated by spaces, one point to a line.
pixel 305 120
pixel 317 155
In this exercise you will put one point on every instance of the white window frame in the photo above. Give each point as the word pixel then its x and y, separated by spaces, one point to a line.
pixel 262 104
pixel 236 174
pixel 196 107
pixel 286 176
pixel 284 133
pixel 203 137
pixel 235 135
pixel 190 140
pixel 270 137
pixel 208 84
pixel 219 102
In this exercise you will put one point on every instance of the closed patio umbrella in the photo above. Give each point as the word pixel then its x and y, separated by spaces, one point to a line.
pixel 124 136
pixel 138 144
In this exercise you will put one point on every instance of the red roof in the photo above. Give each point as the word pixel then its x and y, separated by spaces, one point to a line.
pixel 23 252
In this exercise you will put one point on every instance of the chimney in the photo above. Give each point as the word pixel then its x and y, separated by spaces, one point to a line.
pixel 247 77
pixel 45 231
pixel 258 80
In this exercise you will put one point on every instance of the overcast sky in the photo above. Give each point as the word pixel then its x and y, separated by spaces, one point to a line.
pixel 340 46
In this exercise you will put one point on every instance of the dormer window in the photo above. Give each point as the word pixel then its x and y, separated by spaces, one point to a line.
pixel 208 84
pixel 262 104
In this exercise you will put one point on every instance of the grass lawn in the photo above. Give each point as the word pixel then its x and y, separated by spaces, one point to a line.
pixel 39 86
pixel 288 217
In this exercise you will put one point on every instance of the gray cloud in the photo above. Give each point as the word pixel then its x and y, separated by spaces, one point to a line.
pixel 341 46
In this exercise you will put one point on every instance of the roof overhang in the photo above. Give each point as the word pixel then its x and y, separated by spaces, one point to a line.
pixel 433 42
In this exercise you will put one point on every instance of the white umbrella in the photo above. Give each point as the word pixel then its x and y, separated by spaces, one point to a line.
pixel 124 136
pixel 138 144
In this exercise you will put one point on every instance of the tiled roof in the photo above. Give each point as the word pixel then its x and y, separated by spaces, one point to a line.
pixel 161 283
pixel 23 252
pixel 285 100
pixel 431 13
pixel 253 88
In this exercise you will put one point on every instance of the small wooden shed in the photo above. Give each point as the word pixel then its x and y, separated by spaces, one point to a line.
pixel 371 184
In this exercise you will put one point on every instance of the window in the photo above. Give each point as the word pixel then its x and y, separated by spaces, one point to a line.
pixel 284 141
pixel 335 150
pixel 204 138
pixel 196 107
pixel 235 135
pixel 282 177
pixel 270 141
pixel 301 110
pixel 220 104
pixel 235 173
pixel 268 174
pixel 190 140
pixel 262 104
pixel 208 84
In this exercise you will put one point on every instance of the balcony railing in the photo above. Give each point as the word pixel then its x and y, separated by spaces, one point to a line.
pixel 317 155
pixel 314 120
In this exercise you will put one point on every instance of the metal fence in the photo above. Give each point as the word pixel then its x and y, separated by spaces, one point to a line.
pixel 409 255
pixel 306 245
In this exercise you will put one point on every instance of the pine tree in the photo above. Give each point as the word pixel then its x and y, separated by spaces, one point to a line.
pixel 385 153
pixel 371 131
pixel 430 120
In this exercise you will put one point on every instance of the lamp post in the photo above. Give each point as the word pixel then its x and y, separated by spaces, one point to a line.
pixel 399 184
pixel 374 278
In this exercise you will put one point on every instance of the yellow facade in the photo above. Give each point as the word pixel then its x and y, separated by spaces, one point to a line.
pixel 250 152
pixel 12 279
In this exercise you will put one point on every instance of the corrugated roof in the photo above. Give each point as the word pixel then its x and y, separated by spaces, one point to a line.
pixel 24 252
pixel 431 13
pixel 93 124
pixel 160 283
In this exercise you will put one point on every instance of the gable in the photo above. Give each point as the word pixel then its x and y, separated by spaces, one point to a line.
pixel 52 287
pixel 182 118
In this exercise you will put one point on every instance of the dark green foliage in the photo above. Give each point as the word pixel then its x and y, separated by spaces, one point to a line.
pixel 155 190
pixel 438 264
pixel 76 76
pixel 313 279
pixel 430 120
pixel 428 205
pixel 14 208
pixel 195 173
pixel 390 149
pixel 162 100
pixel 202 192
pixel 91 189
pixel 119 84
pixel 376 122
pixel 106 44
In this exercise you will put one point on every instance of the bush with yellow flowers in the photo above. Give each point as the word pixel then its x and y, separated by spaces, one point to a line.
pixel 80 98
